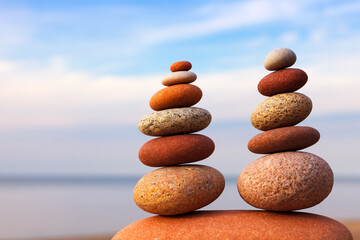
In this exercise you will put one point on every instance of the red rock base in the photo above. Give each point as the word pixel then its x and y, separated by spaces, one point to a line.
pixel 235 224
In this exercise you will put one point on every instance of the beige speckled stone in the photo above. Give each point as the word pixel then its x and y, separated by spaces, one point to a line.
pixel 279 58
pixel 286 181
pixel 235 224
pixel 175 121
pixel 178 189
pixel 281 110
pixel 179 77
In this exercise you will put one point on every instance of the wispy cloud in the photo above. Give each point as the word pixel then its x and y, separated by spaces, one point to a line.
pixel 225 16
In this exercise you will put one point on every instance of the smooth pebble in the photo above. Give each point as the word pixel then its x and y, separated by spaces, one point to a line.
pixel 178 189
pixel 175 121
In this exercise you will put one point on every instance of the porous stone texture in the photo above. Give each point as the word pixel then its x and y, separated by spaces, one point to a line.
pixel 281 110
pixel 180 66
pixel 175 121
pixel 178 189
pixel 279 58
pixel 283 139
pixel 177 149
pixel 284 80
pixel 180 95
pixel 236 224
pixel 286 181
pixel 179 77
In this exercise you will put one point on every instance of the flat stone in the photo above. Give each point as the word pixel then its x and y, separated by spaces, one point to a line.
pixel 178 189
pixel 279 58
pixel 236 224
pixel 281 110
pixel 281 81
pixel 175 121
pixel 180 95
pixel 179 77
pixel 177 149
pixel 283 139
pixel 180 66
pixel 286 181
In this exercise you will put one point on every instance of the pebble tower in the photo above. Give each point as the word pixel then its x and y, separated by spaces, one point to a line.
pixel 283 180
pixel 286 179
pixel 176 189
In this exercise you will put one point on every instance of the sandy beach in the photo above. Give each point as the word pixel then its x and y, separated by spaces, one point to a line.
pixel 354 227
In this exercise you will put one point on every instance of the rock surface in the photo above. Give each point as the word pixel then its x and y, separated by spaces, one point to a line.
pixel 281 110
pixel 284 80
pixel 178 189
pixel 175 121
pixel 286 181
pixel 236 224
pixel 180 66
pixel 283 139
pixel 179 77
pixel 279 58
pixel 177 149
pixel 179 95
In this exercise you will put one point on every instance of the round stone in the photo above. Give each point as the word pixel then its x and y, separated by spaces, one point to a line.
pixel 279 58
pixel 177 149
pixel 283 139
pixel 180 95
pixel 281 110
pixel 175 121
pixel 178 189
pixel 284 80
pixel 179 77
pixel 180 66
pixel 286 181
pixel 236 224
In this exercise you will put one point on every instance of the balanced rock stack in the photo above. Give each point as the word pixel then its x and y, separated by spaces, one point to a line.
pixel 176 189
pixel 278 182
pixel 284 180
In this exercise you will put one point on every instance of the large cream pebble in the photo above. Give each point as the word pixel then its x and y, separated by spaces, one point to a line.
pixel 286 181
pixel 178 189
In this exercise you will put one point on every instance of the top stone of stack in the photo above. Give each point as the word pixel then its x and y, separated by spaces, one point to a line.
pixel 279 58
pixel 180 66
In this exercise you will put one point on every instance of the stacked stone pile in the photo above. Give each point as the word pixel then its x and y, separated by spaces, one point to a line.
pixel 286 179
pixel 176 189
pixel 282 181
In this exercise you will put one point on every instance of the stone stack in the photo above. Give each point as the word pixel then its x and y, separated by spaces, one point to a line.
pixel 177 189
pixel 286 179
pixel 278 182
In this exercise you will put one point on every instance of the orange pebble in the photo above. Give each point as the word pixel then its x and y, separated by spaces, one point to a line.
pixel 180 66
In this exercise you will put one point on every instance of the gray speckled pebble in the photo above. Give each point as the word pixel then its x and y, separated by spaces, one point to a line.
pixel 279 58
pixel 175 121
pixel 281 110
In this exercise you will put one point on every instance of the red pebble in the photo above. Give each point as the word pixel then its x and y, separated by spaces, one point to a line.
pixel 281 81
pixel 177 149
pixel 180 66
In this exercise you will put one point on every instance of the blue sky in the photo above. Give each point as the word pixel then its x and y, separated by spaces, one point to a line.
pixel 76 77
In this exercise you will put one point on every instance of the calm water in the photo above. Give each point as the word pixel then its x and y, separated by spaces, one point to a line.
pixel 65 207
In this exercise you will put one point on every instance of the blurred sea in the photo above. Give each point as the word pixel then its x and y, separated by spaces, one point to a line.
pixel 34 207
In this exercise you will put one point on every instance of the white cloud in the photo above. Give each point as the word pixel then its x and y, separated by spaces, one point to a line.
pixel 37 95
pixel 225 16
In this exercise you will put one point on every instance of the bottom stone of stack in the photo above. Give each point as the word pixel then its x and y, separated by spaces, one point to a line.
pixel 235 224
pixel 178 189
pixel 286 181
